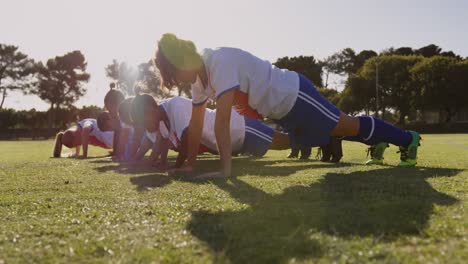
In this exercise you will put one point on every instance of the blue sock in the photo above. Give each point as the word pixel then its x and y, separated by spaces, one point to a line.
pixel 373 131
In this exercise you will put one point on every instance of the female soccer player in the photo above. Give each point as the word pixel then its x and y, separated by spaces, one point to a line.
pixel 84 134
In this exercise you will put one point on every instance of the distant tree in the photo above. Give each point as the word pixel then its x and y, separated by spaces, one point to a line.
pixel 346 62
pixel 396 88
pixel 90 111
pixel 123 76
pixel 388 51
pixel 16 71
pixel 149 80
pixel 443 84
pixel 459 76
pixel 450 54
pixel 342 62
pixel 8 118
pixel 404 51
pixel 149 77
pixel 426 51
pixel 329 66
pixel 61 81
pixel 306 65
pixel 358 95
pixel 332 95
pixel 429 51
pixel 361 58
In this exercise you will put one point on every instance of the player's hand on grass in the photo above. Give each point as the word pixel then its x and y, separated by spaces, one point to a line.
pixel 75 156
pixel 72 155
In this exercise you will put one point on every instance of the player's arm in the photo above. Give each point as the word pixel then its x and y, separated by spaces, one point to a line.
pixel 183 149
pixel 144 147
pixel 160 150
pixel 138 133
pixel 158 147
pixel 223 131
pixel 85 139
pixel 163 155
pixel 195 133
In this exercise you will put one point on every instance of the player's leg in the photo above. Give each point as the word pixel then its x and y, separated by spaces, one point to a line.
pixel 377 133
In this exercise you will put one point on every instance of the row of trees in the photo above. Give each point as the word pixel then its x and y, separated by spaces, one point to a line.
pixel 408 84
pixel 26 119
pixel 400 81
pixel 59 82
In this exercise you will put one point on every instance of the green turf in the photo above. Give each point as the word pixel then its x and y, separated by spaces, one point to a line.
pixel 275 211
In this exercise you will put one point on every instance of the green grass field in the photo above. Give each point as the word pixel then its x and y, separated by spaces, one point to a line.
pixel 275 211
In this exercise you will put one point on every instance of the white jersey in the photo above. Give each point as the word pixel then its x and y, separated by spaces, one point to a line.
pixel 106 137
pixel 151 136
pixel 164 132
pixel 269 91
pixel 125 125
pixel 179 111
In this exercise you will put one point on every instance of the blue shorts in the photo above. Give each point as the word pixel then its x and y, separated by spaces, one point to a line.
pixel 258 137
pixel 312 118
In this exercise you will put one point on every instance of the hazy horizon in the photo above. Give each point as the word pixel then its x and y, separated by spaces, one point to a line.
pixel 128 31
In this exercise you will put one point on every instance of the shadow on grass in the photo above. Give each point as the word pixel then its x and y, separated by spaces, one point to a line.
pixel 242 166
pixel 144 183
pixel 383 204
pixel 101 160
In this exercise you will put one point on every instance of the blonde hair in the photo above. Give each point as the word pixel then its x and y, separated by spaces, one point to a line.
pixel 58 145
pixel 66 138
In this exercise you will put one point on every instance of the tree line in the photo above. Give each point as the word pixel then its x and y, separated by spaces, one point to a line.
pixel 396 83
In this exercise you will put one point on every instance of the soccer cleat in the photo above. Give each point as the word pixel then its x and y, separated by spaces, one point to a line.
pixel 337 149
pixel 305 153
pixel 324 153
pixel 294 153
pixel 376 152
pixel 408 155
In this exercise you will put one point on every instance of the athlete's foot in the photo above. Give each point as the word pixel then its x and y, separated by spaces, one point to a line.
pixel 408 155
pixel 376 152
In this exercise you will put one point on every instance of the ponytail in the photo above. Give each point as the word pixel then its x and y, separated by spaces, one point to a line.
pixel 113 97
pixel 58 145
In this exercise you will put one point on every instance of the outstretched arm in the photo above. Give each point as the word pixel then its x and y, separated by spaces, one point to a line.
pixel 160 150
pixel 84 140
pixel 144 147
pixel 138 134
pixel 182 156
pixel 223 131
pixel 223 136
pixel 195 133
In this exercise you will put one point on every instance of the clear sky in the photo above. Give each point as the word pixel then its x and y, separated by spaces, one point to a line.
pixel 129 30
